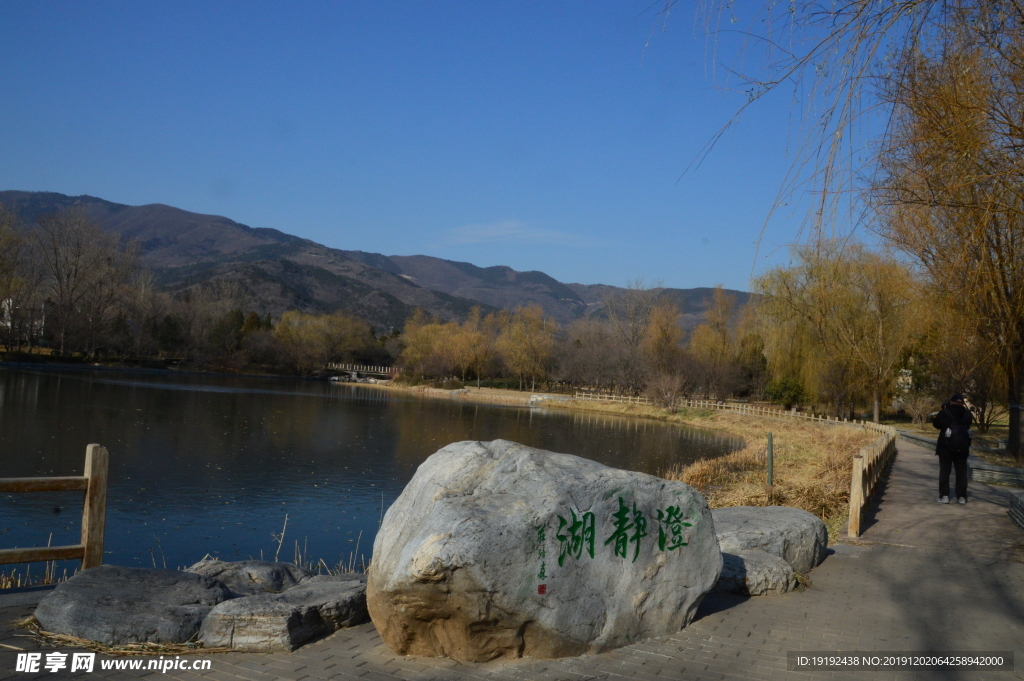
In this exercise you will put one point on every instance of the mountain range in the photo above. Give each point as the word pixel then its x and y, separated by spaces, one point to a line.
pixel 274 271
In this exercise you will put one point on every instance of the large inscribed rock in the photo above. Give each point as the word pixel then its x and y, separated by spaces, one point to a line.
pixel 798 537
pixel 497 550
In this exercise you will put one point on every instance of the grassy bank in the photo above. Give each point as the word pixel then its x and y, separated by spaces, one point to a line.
pixel 811 461
pixel 466 394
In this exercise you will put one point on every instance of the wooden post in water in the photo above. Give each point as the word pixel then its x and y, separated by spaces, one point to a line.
pixel 95 509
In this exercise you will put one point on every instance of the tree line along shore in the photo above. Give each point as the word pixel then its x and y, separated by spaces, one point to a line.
pixel 842 329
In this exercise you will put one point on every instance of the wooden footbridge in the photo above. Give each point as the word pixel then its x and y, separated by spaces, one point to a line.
pixel 364 370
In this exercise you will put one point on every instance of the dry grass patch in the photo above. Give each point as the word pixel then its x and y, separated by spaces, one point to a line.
pixel 48 638
pixel 812 462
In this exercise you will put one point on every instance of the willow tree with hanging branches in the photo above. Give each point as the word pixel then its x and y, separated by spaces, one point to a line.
pixel 950 188
pixel 911 118
pixel 864 310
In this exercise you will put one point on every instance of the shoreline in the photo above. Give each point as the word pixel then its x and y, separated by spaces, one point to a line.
pixel 85 366
pixel 812 462
pixel 466 394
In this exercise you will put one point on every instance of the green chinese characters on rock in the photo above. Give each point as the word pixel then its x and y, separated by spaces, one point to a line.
pixel 624 520
pixel 574 535
pixel 577 533
pixel 670 528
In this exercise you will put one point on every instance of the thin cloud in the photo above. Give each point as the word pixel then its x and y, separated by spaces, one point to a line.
pixel 512 231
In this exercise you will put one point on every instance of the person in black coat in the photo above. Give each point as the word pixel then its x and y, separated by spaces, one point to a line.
pixel 953 421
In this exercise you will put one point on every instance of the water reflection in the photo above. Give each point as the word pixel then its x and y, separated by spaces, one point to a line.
pixel 211 464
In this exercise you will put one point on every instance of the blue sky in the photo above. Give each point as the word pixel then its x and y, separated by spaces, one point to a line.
pixel 540 135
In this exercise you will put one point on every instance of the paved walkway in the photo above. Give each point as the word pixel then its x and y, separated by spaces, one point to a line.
pixel 924 577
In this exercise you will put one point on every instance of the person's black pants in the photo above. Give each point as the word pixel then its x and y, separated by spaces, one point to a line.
pixel 959 463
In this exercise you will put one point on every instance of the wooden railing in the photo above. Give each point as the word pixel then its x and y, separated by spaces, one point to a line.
pixel 94 484
pixel 868 467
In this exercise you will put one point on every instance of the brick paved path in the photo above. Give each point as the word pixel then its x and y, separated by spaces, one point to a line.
pixel 924 577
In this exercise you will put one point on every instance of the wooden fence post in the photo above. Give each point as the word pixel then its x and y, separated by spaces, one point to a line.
pixel 95 508
pixel 856 495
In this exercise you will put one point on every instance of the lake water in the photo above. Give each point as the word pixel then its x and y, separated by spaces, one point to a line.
pixel 206 464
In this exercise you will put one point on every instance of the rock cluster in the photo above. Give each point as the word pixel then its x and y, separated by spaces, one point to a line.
pixel 493 550
pixel 498 550
pixel 250 605
pixel 765 547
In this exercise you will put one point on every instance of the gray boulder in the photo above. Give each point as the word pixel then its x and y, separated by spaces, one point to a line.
pixel 116 605
pixel 754 572
pixel 497 550
pixel 247 577
pixel 283 622
pixel 798 537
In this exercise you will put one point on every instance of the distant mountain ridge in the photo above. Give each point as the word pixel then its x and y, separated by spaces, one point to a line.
pixel 277 271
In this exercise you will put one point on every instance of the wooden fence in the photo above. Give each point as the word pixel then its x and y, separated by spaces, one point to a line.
pixel 607 397
pixel 868 465
pixel 94 484
pixel 768 412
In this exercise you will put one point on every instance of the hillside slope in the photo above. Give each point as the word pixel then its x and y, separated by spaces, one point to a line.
pixel 275 271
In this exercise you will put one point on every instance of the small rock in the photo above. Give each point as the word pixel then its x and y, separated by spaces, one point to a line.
pixel 798 537
pixel 116 605
pixel 248 577
pixel 283 622
pixel 754 572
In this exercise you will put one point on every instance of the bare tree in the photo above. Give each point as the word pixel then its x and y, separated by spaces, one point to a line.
pixel 588 354
pixel 629 315
pixel 629 311
pixel 85 270
pixel 712 345
pixel 20 310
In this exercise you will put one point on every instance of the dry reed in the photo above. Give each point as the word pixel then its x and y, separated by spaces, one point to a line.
pixel 14 578
pixel 51 639
pixel 812 461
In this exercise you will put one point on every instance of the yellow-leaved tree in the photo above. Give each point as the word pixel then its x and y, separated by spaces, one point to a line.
pixel 864 309
pixel 526 344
